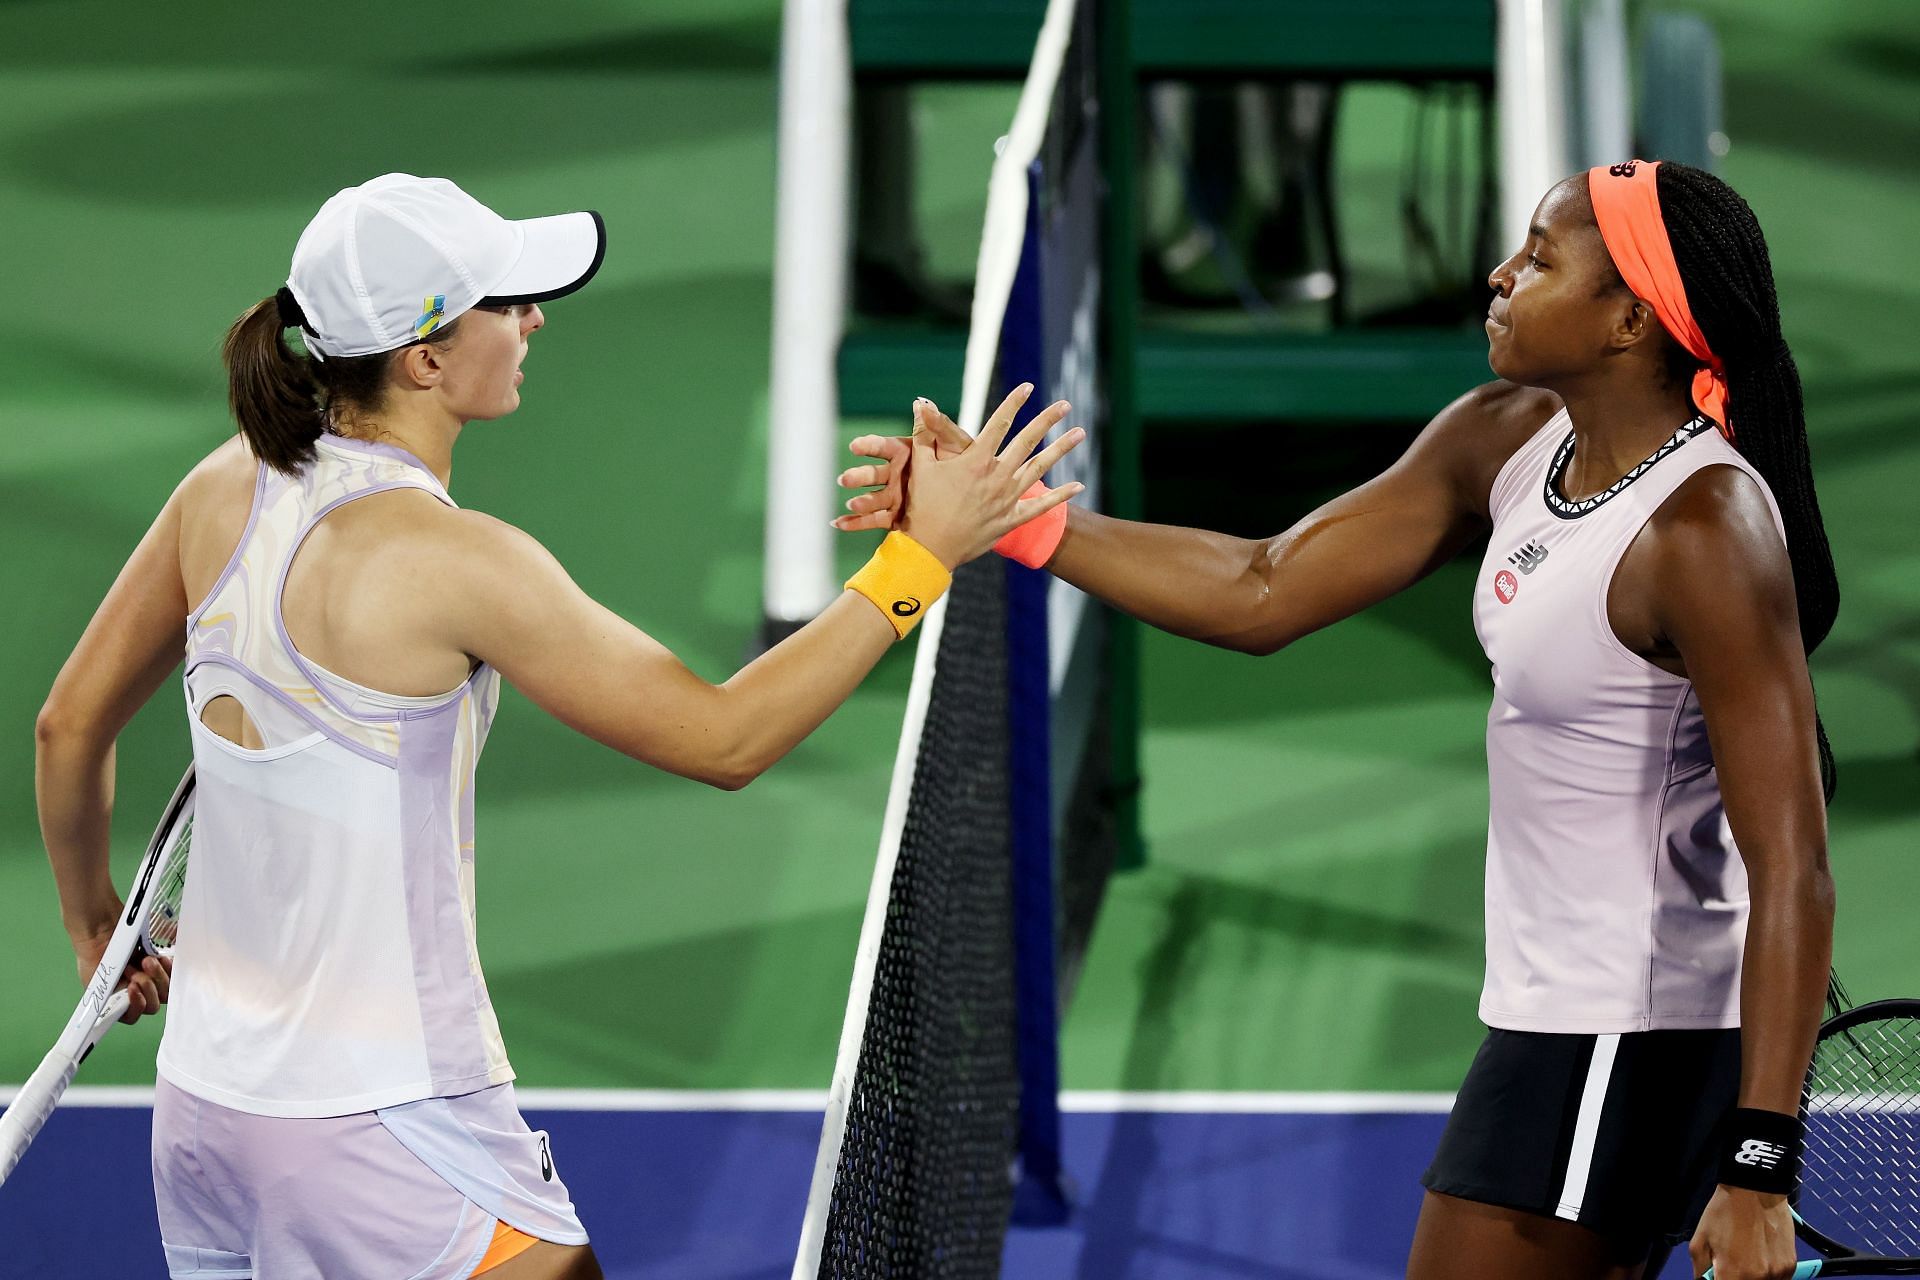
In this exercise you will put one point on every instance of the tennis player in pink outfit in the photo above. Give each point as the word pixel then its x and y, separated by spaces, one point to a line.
pixel 335 1098
pixel 1659 913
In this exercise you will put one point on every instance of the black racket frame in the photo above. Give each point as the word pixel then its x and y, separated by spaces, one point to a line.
pixel 1839 1259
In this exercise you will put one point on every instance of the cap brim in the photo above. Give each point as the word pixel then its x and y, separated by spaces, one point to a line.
pixel 557 256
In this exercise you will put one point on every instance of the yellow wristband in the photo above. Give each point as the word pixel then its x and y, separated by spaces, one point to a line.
pixel 903 580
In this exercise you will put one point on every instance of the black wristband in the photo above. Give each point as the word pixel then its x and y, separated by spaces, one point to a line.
pixel 1762 1151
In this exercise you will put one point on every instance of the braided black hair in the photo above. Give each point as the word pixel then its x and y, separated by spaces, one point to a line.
pixel 1728 276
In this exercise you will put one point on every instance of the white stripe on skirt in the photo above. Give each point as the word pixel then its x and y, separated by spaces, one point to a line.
pixel 1587 1128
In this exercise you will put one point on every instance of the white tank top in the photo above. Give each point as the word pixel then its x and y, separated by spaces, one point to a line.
pixel 326 961
pixel 1616 900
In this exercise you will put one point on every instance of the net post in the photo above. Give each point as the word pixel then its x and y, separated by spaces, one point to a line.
pixel 809 298
pixel 1530 81
pixel 1606 91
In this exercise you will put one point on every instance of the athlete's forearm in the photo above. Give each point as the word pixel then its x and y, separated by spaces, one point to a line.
pixel 1260 595
pixel 1206 586
pixel 73 783
pixel 1783 983
pixel 789 691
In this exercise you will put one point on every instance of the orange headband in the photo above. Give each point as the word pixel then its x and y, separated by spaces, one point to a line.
pixel 1626 204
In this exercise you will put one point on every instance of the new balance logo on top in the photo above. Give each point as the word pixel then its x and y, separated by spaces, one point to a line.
pixel 1761 1154
pixel 1528 558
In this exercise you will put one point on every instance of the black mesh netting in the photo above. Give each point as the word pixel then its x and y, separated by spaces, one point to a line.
pixel 1860 1175
pixel 922 1188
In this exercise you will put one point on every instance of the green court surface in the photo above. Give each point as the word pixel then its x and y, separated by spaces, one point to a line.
pixel 1309 917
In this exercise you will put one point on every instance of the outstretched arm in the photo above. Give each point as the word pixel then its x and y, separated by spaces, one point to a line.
pixel 508 602
pixel 1258 595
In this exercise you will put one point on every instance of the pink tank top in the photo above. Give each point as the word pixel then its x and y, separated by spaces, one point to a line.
pixel 1616 900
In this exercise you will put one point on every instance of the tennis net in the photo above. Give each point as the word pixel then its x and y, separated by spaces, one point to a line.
pixel 998 835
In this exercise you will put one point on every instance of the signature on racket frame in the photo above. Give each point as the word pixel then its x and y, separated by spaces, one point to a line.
pixel 147 926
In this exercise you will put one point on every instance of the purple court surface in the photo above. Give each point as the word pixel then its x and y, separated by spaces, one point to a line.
pixel 719 1194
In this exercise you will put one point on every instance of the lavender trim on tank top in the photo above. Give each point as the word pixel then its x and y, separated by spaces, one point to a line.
pixel 374 449
pixel 1567 509
pixel 279 695
pixel 233 561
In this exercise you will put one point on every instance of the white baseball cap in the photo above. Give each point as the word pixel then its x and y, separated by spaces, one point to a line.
pixel 384 264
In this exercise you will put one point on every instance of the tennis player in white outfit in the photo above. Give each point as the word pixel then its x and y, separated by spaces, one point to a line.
pixel 335 1099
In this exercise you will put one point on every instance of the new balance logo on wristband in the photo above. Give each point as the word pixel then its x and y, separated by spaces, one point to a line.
pixel 1768 1162
pixel 1758 1154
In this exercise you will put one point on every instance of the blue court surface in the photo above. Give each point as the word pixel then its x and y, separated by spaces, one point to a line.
pixel 1291 1191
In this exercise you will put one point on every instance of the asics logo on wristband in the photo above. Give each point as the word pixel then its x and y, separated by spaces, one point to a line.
pixel 906 607
pixel 1758 1154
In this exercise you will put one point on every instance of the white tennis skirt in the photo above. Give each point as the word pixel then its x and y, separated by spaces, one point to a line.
pixel 409 1191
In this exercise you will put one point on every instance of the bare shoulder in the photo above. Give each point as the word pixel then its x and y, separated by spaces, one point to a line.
pixel 224 474
pixel 1472 438
pixel 1712 557
pixel 1718 520
pixel 1721 495
pixel 472 555
pixel 478 583
pixel 209 510
pixel 488 537
pixel 1495 418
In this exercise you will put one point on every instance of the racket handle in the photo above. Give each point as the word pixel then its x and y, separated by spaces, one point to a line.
pixel 31 1107
pixel 1805 1271
pixel 42 1092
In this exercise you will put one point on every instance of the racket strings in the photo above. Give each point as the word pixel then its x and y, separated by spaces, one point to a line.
pixel 1861 1169
pixel 163 912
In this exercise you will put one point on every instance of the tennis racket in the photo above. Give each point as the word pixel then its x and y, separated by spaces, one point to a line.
pixel 1859 1201
pixel 147 927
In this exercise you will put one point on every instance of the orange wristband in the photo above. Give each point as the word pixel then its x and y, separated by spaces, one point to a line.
pixel 1033 543
pixel 902 580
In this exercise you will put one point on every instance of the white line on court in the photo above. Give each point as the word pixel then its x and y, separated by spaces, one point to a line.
pixel 93 1095
pixel 671 1099
pixel 1260 1103
pixel 1086 1101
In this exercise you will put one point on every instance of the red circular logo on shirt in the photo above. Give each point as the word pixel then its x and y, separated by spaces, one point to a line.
pixel 1506 586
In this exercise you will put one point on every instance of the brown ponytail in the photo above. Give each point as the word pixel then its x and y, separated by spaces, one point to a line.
pixel 284 400
pixel 271 390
